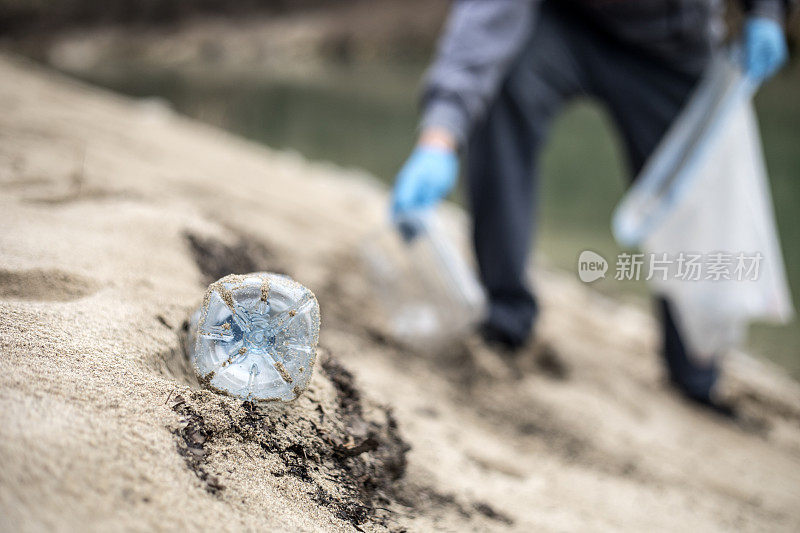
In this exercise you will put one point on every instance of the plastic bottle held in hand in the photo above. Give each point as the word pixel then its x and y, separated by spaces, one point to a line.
pixel 430 293
pixel 255 337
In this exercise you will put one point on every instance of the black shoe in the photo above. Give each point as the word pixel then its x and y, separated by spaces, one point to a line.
pixel 714 405
pixel 500 339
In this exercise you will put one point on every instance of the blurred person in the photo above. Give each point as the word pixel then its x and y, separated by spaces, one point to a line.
pixel 503 70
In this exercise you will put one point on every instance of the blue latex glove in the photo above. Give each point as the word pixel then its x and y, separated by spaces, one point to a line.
pixel 764 47
pixel 428 176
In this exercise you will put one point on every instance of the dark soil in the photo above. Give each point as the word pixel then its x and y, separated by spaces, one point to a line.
pixel 216 259
pixel 191 445
pixel 363 457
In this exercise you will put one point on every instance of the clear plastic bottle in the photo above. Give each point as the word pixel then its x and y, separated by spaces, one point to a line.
pixel 430 293
pixel 255 337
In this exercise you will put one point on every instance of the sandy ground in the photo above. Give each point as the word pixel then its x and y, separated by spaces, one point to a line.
pixel 116 214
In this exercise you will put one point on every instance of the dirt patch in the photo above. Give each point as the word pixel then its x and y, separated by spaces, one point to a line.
pixel 385 441
pixel 348 450
pixel 243 255
pixel 549 361
pixel 489 512
pixel 193 435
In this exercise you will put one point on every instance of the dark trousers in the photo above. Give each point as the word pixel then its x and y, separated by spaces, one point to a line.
pixel 565 58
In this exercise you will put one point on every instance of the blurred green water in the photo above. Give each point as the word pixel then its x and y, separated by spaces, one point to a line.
pixel 366 118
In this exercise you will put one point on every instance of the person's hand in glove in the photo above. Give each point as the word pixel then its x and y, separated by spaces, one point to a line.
pixel 428 175
pixel 764 48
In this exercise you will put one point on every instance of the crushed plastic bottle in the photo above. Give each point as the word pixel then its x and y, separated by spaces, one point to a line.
pixel 255 337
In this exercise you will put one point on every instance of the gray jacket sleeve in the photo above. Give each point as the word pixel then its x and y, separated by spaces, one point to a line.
pixel 480 39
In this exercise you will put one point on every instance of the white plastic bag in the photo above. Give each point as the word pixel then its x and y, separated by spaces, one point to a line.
pixel 704 192
pixel 429 292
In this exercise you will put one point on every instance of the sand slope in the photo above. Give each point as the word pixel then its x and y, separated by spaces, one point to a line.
pixel 114 214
